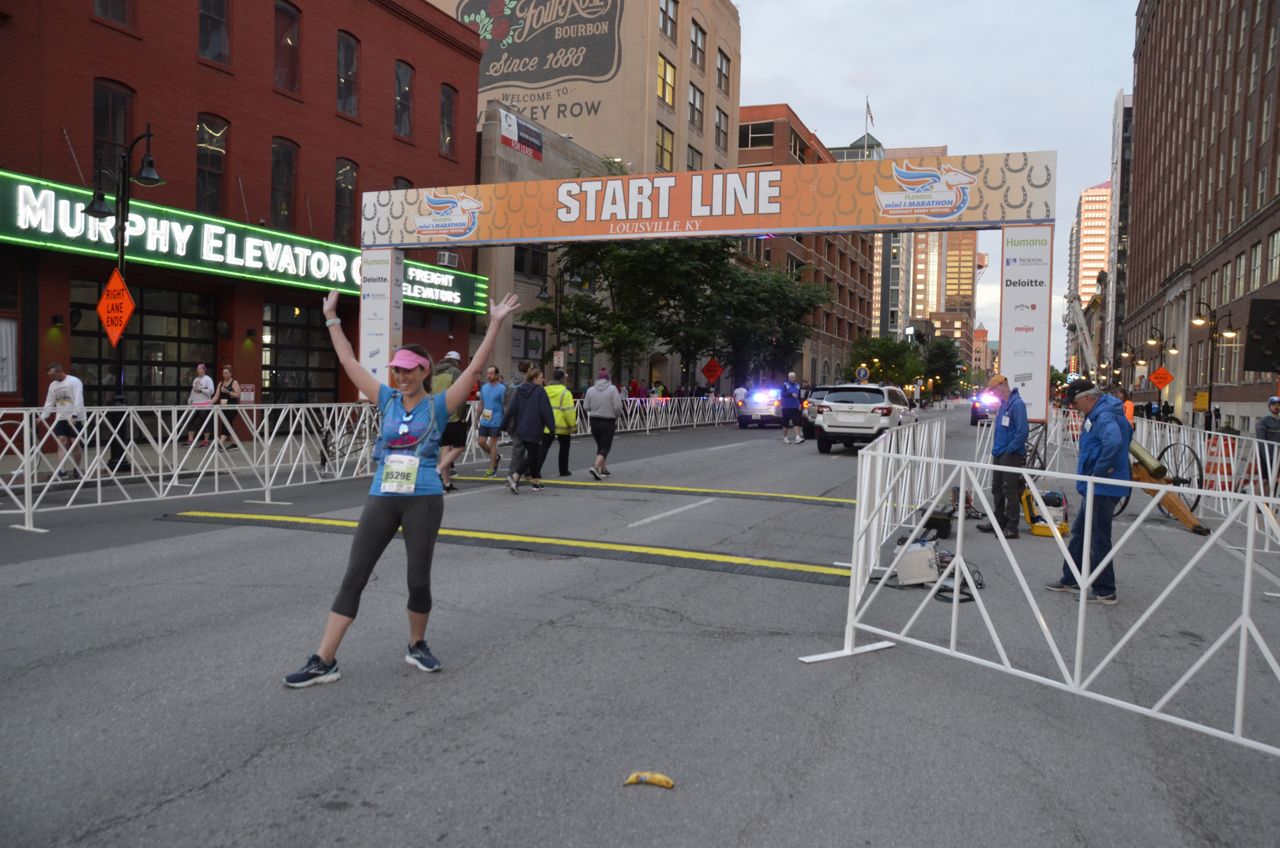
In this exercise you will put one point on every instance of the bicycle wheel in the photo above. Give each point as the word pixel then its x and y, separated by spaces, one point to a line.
pixel 1121 504
pixel 1185 469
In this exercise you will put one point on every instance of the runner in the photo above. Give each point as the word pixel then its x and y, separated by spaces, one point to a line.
pixel 65 401
pixel 492 403
pixel 406 491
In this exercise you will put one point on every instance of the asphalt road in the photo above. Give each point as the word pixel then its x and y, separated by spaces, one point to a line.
pixel 142 702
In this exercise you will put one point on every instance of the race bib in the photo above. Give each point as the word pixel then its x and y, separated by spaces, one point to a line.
pixel 1004 421
pixel 399 474
pixel 486 416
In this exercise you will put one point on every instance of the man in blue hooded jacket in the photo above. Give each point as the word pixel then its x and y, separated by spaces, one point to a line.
pixel 1104 453
pixel 1008 450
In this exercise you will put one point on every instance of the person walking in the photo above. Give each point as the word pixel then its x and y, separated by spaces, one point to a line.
pixel 517 446
pixel 530 419
pixel 1104 453
pixel 791 410
pixel 562 407
pixel 454 440
pixel 603 406
pixel 65 402
pixel 201 396
pixel 228 394
pixel 493 395
pixel 1008 450
pixel 1267 432
pixel 1127 403
pixel 406 491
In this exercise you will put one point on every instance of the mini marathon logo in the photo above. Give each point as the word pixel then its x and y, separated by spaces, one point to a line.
pixel 935 193
pixel 450 215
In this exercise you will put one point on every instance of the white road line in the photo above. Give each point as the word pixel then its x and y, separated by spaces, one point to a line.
pixel 669 512
pixel 734 445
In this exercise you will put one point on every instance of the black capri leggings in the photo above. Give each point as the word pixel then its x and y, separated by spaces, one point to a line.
pixel 602 430
pixel 420 516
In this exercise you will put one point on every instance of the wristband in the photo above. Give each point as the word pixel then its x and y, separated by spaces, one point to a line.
pixel 332 322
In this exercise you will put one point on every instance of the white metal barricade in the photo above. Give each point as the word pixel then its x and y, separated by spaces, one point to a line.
pixel 997 636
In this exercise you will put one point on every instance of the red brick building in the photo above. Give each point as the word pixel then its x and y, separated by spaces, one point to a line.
pixel 842 262
pixel 1204 226
pixel 269 120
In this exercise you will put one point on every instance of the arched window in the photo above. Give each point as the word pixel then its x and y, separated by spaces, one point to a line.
pixel 348 74
pixel 404 99
pixel 112 103
pixel 284 179
pixel 344 200
pixel 288 47
pixel 448 122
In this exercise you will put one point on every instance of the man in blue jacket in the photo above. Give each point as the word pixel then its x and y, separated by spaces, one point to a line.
pixel 1008 449
pixel 1104 453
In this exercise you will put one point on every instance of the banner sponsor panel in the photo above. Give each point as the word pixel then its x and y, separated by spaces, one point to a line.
pixel 381 310
pixel 984 191
pixel 1026 300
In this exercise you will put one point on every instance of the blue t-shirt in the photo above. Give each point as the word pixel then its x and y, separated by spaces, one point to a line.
pixel 790 395
pixel 421 439
pixel 491 398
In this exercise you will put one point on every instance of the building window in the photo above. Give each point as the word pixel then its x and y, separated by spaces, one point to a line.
pixel 722 129
pixel 448 112
pixel 288 47
pixel 404 99
pixel 666 81
pixel 344 201
pixel 797 147
pixel 693 161
pixel 755 135
pixel 215 41
pixel 401 183
pixel 348 69
pixel 111 103
pixel 698 46
pixel 1273 271
pixel 1241 280
pixel 118 11
pixel 298 362
pixel 211 162
pixel 284 176
pixel 665 152
pixel 667 15
pixel 531 261
pixel 695 107
pixel 527 343
pixel 1255 272
pixel 722 72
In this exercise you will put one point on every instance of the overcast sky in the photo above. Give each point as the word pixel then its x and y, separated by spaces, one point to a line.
pixel 980 76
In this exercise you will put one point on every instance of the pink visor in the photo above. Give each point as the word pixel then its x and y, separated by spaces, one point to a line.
pixel 408 360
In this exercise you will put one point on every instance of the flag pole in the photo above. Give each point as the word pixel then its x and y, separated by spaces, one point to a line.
pixel 866 114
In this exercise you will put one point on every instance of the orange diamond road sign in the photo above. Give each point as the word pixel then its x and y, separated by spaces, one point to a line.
pixel 1161 377
pixel 115 307
pixel 712 370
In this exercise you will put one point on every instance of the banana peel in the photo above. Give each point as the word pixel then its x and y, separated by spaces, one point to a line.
pixel 649 778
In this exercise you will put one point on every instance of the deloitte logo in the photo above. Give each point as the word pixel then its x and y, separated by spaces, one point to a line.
pixel 1010 283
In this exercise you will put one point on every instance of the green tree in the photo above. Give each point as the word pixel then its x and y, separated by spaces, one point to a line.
pixel 899 361
pixel 764 318
pixel 942 360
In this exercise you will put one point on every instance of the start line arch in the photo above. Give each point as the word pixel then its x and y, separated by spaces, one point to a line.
pixel 1012 192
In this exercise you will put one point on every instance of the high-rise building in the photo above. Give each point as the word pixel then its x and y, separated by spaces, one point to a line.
pixel 981 351
pixel 843 262
pixel 1118 248
pixel 1090 240
pixel 1204 224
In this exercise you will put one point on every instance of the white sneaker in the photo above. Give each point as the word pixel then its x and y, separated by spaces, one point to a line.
pixel 799 439
pixel 785 440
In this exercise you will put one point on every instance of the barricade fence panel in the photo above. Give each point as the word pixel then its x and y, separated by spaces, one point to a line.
pixel 1222 683
pixel 124 454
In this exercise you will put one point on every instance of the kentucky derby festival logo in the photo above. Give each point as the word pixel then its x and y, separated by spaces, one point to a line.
pixel 936 193
pixel 450 215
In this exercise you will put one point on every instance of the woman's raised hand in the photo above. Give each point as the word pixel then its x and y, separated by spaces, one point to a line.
pixel 499 312
pixel 330 304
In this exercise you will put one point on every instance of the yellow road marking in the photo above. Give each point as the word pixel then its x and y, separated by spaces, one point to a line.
pixel 584 544
pixel 691 490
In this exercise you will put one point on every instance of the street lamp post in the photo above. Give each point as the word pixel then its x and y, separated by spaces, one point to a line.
pixel 1206 315
pixel 98 208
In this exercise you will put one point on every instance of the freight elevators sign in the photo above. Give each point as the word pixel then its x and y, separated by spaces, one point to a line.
pixel 115 307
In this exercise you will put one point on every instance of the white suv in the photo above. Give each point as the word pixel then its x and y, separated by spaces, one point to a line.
pixel 855 414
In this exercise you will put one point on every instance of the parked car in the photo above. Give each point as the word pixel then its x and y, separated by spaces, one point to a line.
pixel 760 407
pixel 982 407
pixel 809 409
pixel 855 414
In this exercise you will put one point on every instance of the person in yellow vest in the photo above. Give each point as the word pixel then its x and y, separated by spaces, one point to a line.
pixel 566 414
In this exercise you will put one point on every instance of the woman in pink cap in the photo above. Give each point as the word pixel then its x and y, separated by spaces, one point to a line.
pixel 406 491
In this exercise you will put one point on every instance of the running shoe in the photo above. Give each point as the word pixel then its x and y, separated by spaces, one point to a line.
pixel 594 473
pixel 786 440
pixel 799 439
pixel 490 472
pixel 420 655
pixel 513 485
pixel 449 487
pixel 606 473
pixel 537 487
pixel 315 671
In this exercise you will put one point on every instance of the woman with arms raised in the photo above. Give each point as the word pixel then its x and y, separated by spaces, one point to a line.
pixel 406 490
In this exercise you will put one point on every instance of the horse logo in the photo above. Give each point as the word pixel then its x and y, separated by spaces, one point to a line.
pixel 935 193
pixel 449 215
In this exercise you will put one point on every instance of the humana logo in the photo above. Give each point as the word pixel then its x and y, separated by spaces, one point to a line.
pixel 1028 242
